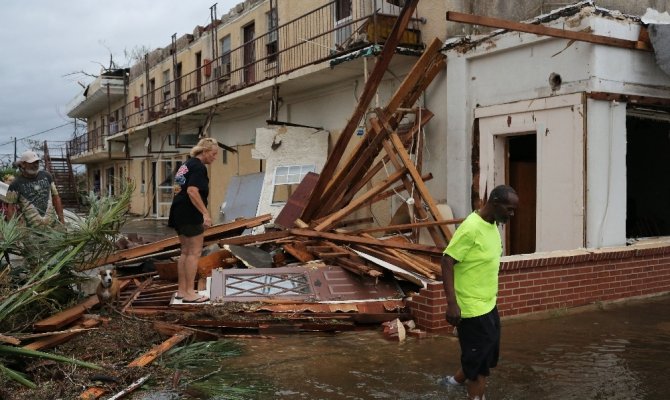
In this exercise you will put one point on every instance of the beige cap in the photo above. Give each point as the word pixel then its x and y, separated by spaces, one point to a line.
pixel 29 157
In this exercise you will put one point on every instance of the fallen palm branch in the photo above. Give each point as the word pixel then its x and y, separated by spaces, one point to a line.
pixel 48 258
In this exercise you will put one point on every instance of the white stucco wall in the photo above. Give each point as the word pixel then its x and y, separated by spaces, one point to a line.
pixel 296 146
pixel 515 67
pixel 606 174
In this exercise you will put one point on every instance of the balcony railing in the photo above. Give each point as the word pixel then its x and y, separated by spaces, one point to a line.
pixel 312 38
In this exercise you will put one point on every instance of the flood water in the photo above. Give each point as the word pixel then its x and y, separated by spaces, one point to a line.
pixel 619 351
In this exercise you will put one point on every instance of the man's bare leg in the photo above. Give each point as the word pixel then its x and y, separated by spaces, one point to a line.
pixel 476 388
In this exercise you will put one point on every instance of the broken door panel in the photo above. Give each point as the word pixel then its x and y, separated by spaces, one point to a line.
pixel 558 123
pixel 305 284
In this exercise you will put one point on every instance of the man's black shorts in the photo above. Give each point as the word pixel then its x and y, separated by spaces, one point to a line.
pixel 190 230
pixel 479 338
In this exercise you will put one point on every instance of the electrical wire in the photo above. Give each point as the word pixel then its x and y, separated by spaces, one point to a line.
pixel 36 134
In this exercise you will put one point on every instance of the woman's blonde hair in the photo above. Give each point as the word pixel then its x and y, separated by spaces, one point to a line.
pixel 203 145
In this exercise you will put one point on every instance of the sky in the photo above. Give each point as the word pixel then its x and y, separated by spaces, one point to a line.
pixel 43 41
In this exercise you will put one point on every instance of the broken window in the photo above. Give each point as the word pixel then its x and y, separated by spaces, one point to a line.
pixel 286 180
pixel 251 285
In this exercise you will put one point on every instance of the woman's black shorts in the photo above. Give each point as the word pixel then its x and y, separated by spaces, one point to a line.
pixel 190 230
pixel 479 338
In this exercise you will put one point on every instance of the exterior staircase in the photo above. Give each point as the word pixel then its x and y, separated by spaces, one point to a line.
pixel 60 167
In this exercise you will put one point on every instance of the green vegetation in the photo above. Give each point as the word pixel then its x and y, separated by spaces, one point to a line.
pixel 40 283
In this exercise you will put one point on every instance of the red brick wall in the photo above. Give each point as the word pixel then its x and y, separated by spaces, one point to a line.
pixel 540 283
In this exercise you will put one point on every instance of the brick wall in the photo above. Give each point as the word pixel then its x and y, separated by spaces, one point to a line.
pixel 542 282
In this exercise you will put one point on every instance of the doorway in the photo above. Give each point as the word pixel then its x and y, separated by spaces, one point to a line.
pixel 522 176
pixel 647 148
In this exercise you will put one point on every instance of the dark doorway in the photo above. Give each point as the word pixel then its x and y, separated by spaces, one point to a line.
pixel 522 176
pixel 647 168
pixel 177 85
pixel 249 53
pixel 198 67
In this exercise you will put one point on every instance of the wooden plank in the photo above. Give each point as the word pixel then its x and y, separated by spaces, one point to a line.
pixel 543 30
pixel 210 233
pixel 403 227
pixel 297 201
pixel 168 329
pixel 343 238
pixel 398 189
pixel 253 239
pixel 356 221
pixel 55 340
pixel 156 351
pixel 9 339
pixel 373 150
pixel 421 187
pixel 126 303
pixel 65 317
pixel 400 97
pixel 409 187
pixel 416 81
pixel 359 202
pixel 92 393
pixel 630 99
pixel 299 251
pixel 365 98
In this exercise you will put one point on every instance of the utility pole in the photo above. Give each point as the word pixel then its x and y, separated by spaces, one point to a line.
pixel 15 149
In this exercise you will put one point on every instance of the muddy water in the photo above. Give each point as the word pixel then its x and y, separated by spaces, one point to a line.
pixel 616 352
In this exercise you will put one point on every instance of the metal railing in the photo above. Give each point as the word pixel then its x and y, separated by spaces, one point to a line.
pixel 314 37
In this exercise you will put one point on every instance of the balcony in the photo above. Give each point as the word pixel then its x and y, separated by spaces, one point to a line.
pixel 312 38
pixel 104 91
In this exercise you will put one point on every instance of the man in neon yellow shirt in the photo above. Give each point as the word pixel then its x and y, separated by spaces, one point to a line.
pixel 470 274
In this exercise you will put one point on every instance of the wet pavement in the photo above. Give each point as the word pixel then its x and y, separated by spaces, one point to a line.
pixel 619 351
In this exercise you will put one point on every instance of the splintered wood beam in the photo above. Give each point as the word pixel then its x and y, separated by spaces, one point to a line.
pixel 421 187
pixel 358 268
pixel 397 189
pixel 67 316
pixel 402 227
pixel 299 251
pixel 416 81
pixel 356 221
pixel 369 91
pixel 411 81
pixel 354 169
pixel 348 239
pixel 55 340
pixel 359 202
pixel 135 294
pixel 373 151
pixel 258 238
pixel 409 186
pixel 544 30
pixel 149 357
pixel 211 233
pixel 92 393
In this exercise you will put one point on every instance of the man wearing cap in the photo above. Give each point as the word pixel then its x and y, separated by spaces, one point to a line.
pixel 33 193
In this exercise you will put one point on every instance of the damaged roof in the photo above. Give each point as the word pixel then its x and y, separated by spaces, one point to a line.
pixel 585 8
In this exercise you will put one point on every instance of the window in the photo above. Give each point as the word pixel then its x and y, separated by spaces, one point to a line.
pixel 271 47
pixel 286 180
pixel 166 84
pixel 141 97
pixel 225 57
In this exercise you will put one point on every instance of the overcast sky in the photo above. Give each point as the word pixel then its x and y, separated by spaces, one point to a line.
pixel 44 40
